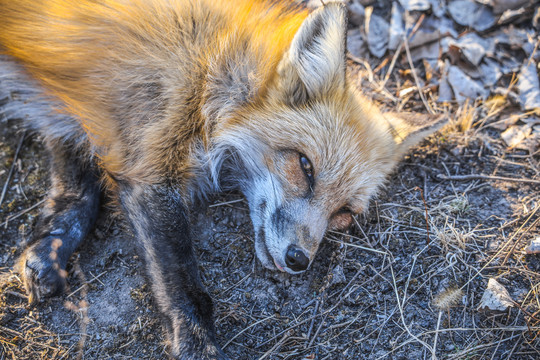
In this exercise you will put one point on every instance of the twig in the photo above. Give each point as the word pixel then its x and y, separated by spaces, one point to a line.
pixel 278 344
pixel 426 211
pixel 226 203
pixel 126 344
pixel 503 247
pixel 486 177
pixel 25 338
pixel 6 184
pixel 246 329
pixel 14 293
pixel 358 246
pixel 358 60
pixel 9 218
pixel 504 329
pixel 433 357
pixel 85 284
pixel 429 348
pixel 317 331
pixel 238 283
pixel 391 67
pixel 313 320
pixel 324 313
pixel 479 347
pixel 398 51
pixel 411 64
pixel 511 251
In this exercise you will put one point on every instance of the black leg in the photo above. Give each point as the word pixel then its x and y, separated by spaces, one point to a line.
pixel 69 214
pixel 159 220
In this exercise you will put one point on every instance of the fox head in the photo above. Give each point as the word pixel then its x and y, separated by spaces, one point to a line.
pixel 312 151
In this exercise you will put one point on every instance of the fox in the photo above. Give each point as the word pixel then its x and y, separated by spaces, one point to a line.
pixel 158 103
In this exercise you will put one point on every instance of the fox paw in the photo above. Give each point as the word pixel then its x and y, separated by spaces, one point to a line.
pixel 42 274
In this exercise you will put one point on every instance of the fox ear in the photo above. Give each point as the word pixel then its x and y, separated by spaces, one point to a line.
pixel 409 129
pixel 315 61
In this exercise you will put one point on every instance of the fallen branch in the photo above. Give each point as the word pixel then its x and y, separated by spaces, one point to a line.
pixel 486 177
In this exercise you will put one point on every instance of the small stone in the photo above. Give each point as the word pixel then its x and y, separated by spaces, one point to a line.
pixel 534 247
pixel 515 134
pixel 338 277
pixel 495 297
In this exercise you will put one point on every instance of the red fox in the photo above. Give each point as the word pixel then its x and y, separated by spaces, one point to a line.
pixel 163 101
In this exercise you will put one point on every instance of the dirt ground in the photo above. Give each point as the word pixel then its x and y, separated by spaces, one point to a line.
pixel 405 283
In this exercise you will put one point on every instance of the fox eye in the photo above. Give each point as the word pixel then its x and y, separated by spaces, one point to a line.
pixel 344 210
pixel 307 167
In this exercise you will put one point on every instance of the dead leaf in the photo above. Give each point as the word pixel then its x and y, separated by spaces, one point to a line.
pixel 491 72
pixel 415 5
pixel 438 7
pixel 509 64
pixel 357 12
pixel 469 13
pixel 338 277
pixel 356 43
pixel 499 6
pixel 514 135
pixel 445 91
pixel 511 15
pixel 473 47
pixel 505 123
pixel 463 86
pixel 428 51
pixel 529 87
pixel 532 142
pixel 396 27
pixel 516 38
pixel 377 33
pixel 495 297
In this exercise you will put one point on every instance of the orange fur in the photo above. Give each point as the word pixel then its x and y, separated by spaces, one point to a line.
pixel 88 52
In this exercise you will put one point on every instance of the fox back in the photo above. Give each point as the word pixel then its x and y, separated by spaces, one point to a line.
pixel 158 73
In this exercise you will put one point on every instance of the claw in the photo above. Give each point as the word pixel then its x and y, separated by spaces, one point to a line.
pixel 42 276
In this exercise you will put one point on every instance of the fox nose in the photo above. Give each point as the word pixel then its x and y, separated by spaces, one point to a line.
pixel 295 259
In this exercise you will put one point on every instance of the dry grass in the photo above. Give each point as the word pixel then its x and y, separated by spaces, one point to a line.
pixel 31 337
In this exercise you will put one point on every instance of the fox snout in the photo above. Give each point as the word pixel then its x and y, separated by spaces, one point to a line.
pixel 289 231
pixel 289 236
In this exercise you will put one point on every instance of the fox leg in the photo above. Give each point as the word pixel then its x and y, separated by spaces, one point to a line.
pixel 159 220
pixel 67 217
